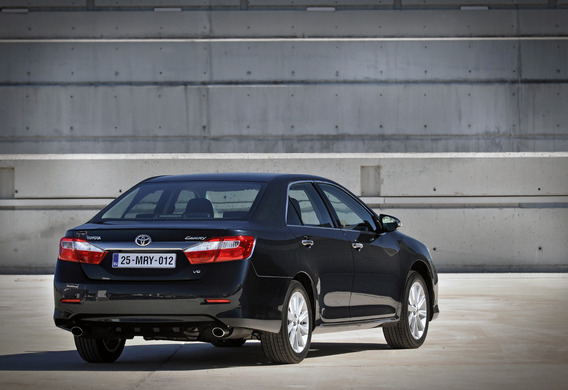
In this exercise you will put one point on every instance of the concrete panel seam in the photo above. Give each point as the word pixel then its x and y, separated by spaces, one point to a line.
pixel 468 202
pixel 283 156
pixel 299 39
pixel 39 203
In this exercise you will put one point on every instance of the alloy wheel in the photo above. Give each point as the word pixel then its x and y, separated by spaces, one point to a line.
pixel 298 322
pixel 417 310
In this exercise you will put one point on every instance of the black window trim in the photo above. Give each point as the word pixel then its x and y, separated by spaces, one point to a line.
pixel 297 212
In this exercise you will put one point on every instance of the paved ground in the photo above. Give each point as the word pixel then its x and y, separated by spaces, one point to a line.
pixel 496 331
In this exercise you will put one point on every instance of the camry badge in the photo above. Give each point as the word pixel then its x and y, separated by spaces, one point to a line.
pixel 143 240
pixel 191 238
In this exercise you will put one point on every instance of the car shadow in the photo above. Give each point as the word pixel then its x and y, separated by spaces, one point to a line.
pixel 322 349
pixel 170 357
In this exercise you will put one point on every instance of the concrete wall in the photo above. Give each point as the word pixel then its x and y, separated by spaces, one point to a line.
pixel 476 212
pixel 117 77
pixel 129 81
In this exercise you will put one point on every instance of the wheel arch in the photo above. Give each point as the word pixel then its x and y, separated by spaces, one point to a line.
pixel 422 269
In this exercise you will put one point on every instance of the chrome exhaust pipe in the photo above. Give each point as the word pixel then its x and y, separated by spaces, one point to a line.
pixel 77 331
pixel 220 332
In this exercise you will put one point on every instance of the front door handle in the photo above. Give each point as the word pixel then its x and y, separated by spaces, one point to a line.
pixel 308 243
pixel 357 246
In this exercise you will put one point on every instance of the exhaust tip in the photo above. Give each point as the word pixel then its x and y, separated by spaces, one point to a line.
pixel 77 331
pixel 219 332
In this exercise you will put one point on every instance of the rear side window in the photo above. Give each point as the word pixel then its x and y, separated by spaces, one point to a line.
pixel 305 207
pixel 185 201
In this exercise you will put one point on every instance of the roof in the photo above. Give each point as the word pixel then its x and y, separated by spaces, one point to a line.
pixel 255 177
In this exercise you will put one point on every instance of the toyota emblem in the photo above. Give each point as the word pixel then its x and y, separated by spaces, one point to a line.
pixel 143 240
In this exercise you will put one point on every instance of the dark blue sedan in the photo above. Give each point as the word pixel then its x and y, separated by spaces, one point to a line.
pixel 224 258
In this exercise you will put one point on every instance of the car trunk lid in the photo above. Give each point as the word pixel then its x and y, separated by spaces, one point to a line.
pixel 137 253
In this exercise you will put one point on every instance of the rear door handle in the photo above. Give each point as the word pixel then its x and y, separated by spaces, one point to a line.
pixel 308 243
pixel 357 246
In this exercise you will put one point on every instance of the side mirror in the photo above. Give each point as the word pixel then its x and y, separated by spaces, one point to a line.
pixel 389 223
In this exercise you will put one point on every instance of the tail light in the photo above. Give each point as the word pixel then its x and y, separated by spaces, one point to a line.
pixel 80 251
pixel 220 249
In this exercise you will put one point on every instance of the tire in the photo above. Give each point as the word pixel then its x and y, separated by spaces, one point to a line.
pixel 99 350
pixel 411 330
pixel 229 343
pixel 292 343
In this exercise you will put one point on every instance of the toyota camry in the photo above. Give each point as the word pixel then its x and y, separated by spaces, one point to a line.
pixel 225 258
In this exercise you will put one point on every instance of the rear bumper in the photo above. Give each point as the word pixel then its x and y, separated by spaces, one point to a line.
pixel 169 309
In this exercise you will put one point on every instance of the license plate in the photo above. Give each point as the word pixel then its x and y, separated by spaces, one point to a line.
pixel 144 260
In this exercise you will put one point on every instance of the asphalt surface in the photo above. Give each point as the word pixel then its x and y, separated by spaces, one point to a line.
pixel 495 331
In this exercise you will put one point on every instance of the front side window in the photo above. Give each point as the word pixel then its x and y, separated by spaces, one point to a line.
pixel 185 201
pixel 352 215
pixel 305 207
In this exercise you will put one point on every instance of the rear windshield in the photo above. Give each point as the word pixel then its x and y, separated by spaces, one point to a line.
pixel 185 201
